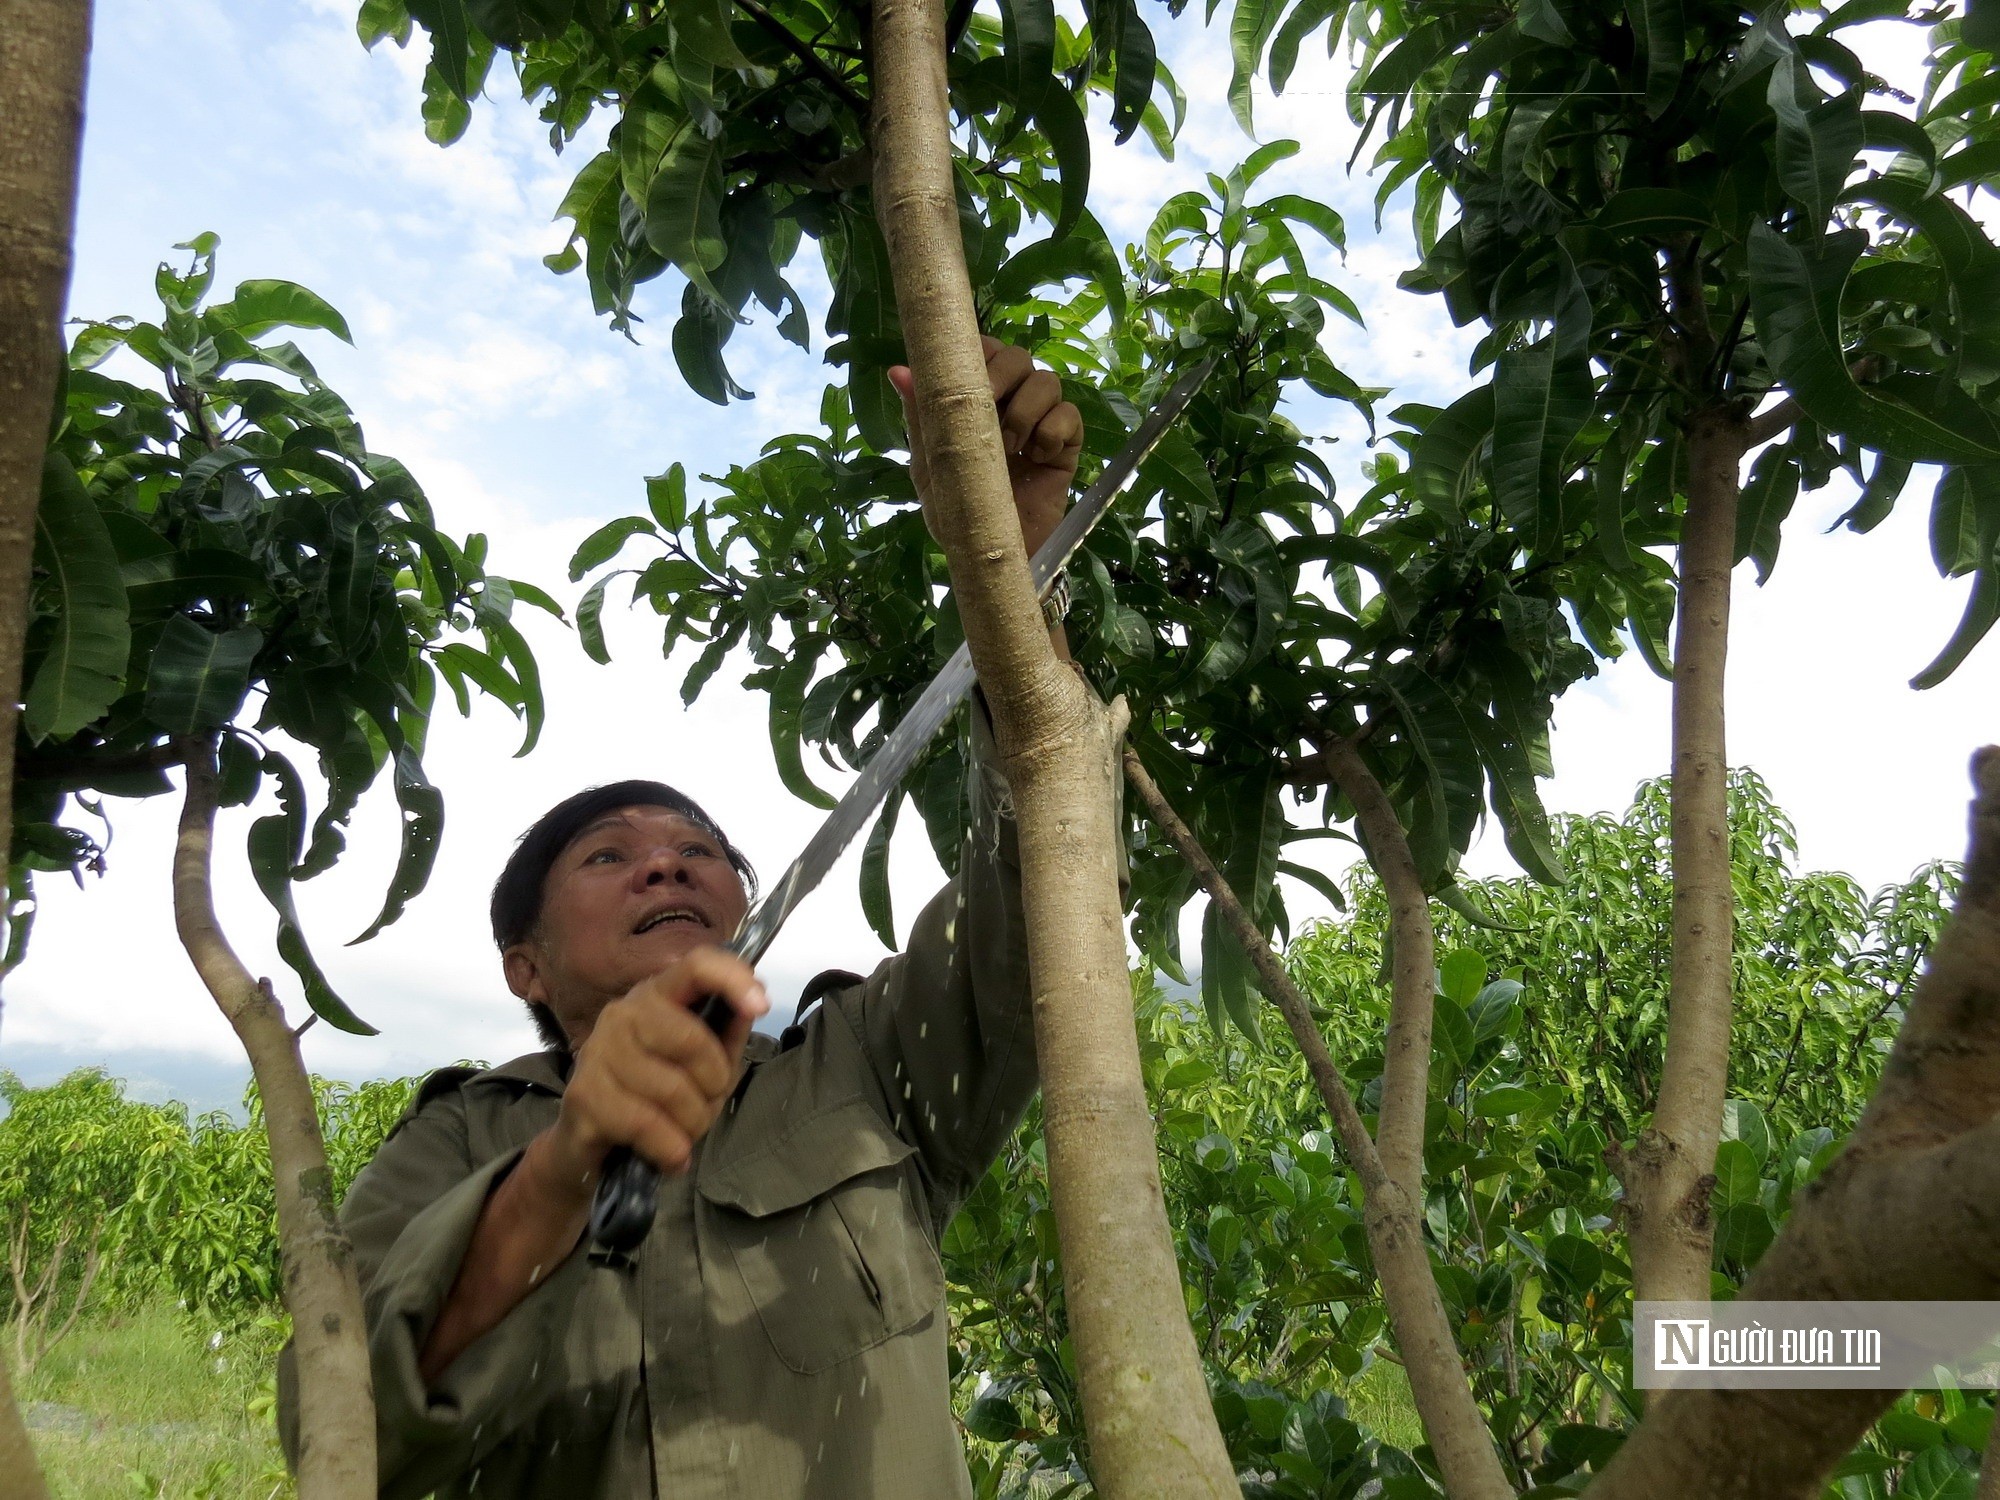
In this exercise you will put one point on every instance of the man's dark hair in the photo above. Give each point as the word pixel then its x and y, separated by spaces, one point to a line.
pixel 517 894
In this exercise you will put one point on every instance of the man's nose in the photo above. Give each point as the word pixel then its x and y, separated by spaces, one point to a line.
pixel 664 866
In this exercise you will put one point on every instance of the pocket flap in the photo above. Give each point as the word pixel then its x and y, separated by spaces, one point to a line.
pixel 812 1157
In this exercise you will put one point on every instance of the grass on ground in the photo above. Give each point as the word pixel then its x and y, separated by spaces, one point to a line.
pixel 150 1403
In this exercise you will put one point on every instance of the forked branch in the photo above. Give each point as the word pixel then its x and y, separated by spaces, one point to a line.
pixel 1452 1420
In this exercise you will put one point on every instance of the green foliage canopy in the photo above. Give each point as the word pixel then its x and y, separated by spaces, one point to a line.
pixel 224 537
pixel 1665 213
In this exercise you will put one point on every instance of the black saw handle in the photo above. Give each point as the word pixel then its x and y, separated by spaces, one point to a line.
pixel 628 1188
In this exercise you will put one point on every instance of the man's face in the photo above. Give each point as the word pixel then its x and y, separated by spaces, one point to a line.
pixel 635 890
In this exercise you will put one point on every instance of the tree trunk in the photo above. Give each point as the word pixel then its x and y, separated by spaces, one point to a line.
pixel 1151 1428
pixel 1452 1419
pixel 1670 1170
pixel 322 1293
pixel 1904 1213
pixel 44 45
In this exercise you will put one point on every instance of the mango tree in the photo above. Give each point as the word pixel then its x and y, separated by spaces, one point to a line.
pixel 1669 219
pixel 43 48
pixel 222 569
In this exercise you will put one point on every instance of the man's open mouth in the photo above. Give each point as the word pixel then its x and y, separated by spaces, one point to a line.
pixel 671 914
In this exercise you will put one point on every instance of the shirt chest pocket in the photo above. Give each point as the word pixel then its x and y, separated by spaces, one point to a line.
pixel 824 1237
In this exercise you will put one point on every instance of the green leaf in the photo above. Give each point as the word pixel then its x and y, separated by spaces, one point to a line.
pixel 1137 68
pixel 1306 17
pixel 1981 610
pixel 1965 518
pixel 1738 1178
pixel 1447 453
pixel 1176 467
pixel 82 669
pixel 1661 32
pixel 507 641
pixel 513 22
pixel 608 541
pixel 667 498
pixel 1762 507
pixel 1574 1264
pixel 1654 213
pixel 1937 1473
pixel 1818 139
pixel 701 29
pixel 1878 495
pixel 484 670
pixel 274 844
pixel 1250 25
pixel 1083 253
pixel 1883 131
pixel 421 806
pixel 198 677
pixel 1062 125
pixel 260 306
pixel 382 18
pixel 1744 1121
pixel 1312 214
pixel 1516 802
pixel 994 1420
pixel 1540 404
pixel 590 618
pixel 1540 21
pixel 875 904
pixel 451 42
pixel 1795 301
pixel 788 693
pixel 1028 52
pixel 1228 982
pixel 1462 974
pixel 684 208
pixel 1319 880
pixel 1456 897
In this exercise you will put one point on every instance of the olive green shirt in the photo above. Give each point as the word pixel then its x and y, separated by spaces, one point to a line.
pixel 782 1332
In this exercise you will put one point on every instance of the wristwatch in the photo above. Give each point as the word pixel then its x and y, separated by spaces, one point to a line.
pixel 1056 606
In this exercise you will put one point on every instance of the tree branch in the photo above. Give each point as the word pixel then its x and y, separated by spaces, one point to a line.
pixel 1772 423
pixel 1452 1420
pixel 813 63
pixel 336 1447
pixel 1406 1055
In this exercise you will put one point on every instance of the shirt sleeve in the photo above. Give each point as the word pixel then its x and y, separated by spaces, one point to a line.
pixel 410 1215
pixel 947 1025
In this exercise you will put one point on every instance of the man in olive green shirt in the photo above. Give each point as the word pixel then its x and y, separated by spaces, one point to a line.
pixel 782 1331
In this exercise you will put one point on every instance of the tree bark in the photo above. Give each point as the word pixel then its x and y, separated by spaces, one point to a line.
pixel 321 1289
pixel 1904 1213
pixel 44 47
pixel 1406 1055
pixel 1670 1170
pixel 1452 1419
pixel 1151 1427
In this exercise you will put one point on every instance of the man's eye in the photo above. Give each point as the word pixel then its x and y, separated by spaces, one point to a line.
pixel 601 857
pixel 697 849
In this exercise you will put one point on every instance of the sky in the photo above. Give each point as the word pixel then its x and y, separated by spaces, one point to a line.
pixel 526 419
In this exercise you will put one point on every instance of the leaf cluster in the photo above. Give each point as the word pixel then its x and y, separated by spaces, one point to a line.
pixel 741 131
pixel 219 555
pixel 1665 212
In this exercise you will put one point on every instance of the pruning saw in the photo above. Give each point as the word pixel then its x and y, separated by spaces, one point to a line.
pixel 628 1189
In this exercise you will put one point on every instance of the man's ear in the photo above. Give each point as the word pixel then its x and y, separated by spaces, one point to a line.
pixel 522 964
